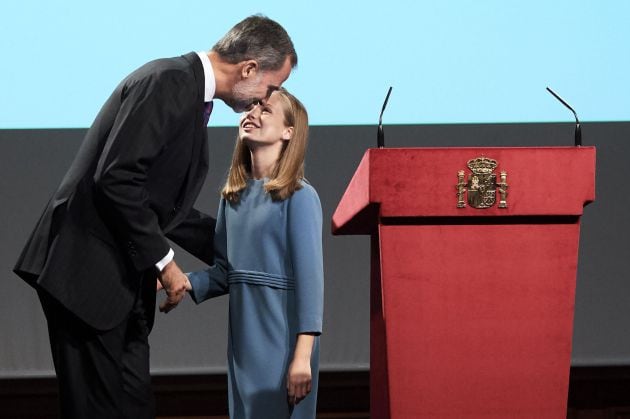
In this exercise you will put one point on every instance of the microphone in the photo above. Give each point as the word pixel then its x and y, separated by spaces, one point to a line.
pixel 578 130
pixel 380 137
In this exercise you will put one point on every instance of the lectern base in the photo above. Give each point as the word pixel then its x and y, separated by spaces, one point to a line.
pixel 478 320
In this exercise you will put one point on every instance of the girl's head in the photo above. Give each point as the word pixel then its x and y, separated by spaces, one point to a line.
pixel 280 125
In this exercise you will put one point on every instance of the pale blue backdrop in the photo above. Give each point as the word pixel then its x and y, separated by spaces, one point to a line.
pixel 457 61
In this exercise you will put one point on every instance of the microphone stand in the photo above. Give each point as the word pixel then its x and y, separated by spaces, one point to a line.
pixel 380 136
pixel 578 130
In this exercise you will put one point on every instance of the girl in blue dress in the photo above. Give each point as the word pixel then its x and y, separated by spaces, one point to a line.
pixel 268 257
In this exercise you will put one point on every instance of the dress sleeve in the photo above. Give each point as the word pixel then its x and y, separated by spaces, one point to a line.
pixel 212 282
pixel 305 247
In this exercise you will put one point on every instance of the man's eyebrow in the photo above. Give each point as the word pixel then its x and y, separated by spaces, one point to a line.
pixel 272 89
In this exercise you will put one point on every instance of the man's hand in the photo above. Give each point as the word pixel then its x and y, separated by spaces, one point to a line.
pixel 175 283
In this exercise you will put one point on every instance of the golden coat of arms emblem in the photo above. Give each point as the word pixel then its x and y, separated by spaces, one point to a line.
pixel 481 187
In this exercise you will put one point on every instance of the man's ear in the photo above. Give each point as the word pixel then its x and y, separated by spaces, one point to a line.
pixel 287 133
pixel 249 68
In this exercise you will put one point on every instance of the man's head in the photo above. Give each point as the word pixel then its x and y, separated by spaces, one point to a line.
pixel 255 57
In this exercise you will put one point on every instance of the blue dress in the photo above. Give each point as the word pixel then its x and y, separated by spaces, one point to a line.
pixel 268 256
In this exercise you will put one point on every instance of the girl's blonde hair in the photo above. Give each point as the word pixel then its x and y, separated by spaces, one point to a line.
pixel 289 170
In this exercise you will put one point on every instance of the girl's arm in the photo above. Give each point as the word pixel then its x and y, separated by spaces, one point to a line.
pixel 305 246
pixel 212 282
pixel 299 377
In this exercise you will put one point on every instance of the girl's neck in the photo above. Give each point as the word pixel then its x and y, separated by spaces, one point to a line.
pixel 264 159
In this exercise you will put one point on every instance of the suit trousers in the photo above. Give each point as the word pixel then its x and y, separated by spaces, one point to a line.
pixel 103 374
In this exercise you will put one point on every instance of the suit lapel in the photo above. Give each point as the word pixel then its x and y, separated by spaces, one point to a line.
pixel 198 167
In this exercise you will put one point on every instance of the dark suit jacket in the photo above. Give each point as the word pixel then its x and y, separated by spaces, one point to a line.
pixel 133 182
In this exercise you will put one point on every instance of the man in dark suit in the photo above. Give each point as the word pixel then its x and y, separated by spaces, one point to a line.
pixel 100 243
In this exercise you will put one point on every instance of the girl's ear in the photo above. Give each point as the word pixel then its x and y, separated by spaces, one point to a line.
pixel 287 133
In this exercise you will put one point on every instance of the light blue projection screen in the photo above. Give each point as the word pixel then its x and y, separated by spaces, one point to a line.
pixel 449 62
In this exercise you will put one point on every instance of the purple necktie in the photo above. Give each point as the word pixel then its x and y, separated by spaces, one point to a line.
pixel 207 110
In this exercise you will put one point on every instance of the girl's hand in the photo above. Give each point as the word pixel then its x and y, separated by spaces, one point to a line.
pixel 299 380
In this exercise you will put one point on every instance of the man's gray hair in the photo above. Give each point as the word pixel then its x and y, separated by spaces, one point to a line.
pixel 257 38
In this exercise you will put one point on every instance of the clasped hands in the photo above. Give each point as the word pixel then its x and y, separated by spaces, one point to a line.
pixel 175 283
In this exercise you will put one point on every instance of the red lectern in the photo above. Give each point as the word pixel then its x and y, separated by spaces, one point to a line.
pixel 474 259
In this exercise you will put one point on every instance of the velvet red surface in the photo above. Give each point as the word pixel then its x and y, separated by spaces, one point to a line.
pixel 471 309
pixel 478 319
pixel 420 182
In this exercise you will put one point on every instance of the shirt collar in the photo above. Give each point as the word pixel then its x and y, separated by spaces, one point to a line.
pixel 210 82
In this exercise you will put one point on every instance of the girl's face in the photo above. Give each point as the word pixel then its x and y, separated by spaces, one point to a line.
pixel 263 124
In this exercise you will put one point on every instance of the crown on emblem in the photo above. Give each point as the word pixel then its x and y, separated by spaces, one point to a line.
pixel 482 165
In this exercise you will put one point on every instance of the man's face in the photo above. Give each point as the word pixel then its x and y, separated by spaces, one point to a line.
pixel 257 87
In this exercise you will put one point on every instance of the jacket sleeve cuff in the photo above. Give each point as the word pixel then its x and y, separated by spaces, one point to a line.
pixel 165 260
